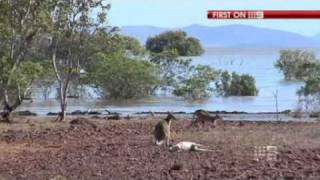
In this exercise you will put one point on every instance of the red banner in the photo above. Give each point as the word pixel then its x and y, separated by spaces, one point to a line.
pixel 263 14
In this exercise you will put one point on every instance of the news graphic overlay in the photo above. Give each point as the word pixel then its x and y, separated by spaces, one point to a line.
pixel 267 153
pixel 263 14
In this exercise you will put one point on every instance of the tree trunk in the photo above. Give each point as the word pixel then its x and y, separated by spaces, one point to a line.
pixel 63 103
pixel 6 114
pixel 63 112
pixel 62 94
pixel 9 108
pixel 62 115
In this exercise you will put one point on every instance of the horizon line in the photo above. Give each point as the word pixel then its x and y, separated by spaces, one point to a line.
pixel 205 25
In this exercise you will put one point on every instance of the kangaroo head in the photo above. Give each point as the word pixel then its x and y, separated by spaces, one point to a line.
pixel 169 117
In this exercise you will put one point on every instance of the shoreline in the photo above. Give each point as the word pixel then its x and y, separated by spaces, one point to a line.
pixel 228 116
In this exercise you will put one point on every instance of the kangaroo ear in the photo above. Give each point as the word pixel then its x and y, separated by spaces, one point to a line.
pixel 171 116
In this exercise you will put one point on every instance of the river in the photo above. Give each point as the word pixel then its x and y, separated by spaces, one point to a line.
pixel 256 62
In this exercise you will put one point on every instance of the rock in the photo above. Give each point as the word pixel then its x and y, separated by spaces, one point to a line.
pixel 227 112
pixel 115 116
pixel 52 114
pixel 94 113
pixel 78 112
pixel 150 112
pixel 25 113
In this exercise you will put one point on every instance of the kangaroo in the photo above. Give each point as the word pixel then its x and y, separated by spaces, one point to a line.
pixel 188 146
pixel 204 116
pixel 162 130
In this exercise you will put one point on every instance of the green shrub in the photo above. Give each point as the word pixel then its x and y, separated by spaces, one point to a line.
pixel 236 85
pixel 296 64
pixel 197 84
pixel 121 77
pixel 175 40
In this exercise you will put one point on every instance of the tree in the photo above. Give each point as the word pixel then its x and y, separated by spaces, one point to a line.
pixel 73 23
pixel 312 82
pixel 303 66
pixel 167 51
pixel 175 40
pixel 248 86
pixel 236 85
pixel 295 64
pixel 118 69
pixel 172 68
pixel 20 22
pixel 47 80
pixel 309 94
pixel 111 42
pixel 121 77
pixel 130 46
pixel 197 84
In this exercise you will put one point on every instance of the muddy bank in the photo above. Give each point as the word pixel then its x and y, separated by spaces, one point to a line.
pixel 95 149
pixel 230 116
pixel 242 116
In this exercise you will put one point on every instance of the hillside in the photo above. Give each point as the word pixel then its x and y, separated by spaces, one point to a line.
pixel 232 35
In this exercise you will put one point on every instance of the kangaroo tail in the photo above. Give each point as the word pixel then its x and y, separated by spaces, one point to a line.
pixel 159 143
pixel 203 150
pixel 200 145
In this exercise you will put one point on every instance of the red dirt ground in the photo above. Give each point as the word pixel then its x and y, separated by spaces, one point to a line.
pixel 125 150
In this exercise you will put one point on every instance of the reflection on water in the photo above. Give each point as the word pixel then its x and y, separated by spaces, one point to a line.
pixel 257 62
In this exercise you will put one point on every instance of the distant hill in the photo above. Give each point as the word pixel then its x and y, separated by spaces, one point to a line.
pixel 230 36
pixel 317 38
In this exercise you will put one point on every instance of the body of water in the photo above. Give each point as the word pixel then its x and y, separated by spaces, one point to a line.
pixel 256 62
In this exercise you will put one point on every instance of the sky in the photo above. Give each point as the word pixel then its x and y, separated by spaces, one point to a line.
pixel 181 13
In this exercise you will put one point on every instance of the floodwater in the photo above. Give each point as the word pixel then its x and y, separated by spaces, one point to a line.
pixel 256 62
